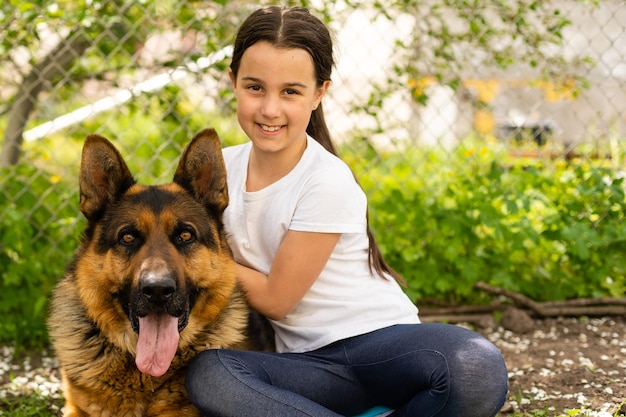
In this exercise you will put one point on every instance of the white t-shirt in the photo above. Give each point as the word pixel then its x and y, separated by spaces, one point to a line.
pixel 320 194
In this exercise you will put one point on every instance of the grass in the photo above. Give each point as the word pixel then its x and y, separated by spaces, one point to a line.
pixel 549 412
pixel 36 405
pixel 542 409
pixel 30 406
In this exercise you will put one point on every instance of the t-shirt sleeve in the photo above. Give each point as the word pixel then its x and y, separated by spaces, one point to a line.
pixel 331 202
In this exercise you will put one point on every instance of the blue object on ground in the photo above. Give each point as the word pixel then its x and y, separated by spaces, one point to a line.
pixel 373 412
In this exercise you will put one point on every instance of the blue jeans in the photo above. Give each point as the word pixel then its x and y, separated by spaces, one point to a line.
pixel 419 370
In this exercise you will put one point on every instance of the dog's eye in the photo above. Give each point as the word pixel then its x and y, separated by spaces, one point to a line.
pixel 127 239
pixel 186 236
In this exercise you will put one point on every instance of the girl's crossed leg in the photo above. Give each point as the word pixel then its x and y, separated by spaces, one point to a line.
pixel 420 370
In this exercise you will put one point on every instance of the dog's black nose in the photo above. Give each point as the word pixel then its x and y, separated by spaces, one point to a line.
pixel 157 288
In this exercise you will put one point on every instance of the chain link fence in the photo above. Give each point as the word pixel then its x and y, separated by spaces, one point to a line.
pixel 540 80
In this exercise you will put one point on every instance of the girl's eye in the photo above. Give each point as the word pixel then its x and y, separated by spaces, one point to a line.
pixel 290 92
pixel 254 88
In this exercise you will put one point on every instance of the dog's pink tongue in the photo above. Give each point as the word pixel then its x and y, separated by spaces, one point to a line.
pixel 157 344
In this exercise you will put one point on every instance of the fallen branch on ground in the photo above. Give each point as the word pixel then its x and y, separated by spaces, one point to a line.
pixel 576 307
pixel 605 306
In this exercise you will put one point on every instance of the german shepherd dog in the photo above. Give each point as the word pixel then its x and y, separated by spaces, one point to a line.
pixel 151 285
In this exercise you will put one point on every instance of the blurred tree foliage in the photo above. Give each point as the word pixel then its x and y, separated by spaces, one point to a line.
pixel 53 45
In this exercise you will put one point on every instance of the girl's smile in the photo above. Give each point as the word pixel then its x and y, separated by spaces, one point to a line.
pixel 270 128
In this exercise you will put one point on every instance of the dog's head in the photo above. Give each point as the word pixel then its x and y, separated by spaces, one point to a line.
pixel 154 258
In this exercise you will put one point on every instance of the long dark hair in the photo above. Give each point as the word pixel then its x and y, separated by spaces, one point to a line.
pixel 296 28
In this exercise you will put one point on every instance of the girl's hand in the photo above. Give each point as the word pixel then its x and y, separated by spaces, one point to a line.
pixel 300 259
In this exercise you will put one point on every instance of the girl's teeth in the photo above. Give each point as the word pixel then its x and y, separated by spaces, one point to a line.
pixel 270 128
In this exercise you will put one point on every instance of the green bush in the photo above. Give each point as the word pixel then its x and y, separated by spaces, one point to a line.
pixel 549 230
pixel 38 228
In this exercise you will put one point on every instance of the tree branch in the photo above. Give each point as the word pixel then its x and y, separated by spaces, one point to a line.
pixel 607 306
pixel 54 65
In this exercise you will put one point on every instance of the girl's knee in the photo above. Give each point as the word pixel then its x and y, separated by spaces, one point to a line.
pixel 481 377
pixel 482 362
pixel 487 356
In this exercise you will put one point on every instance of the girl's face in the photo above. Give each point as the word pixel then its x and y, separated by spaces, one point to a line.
pixel 276 92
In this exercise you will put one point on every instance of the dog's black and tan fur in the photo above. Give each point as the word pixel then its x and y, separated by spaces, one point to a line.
pixel 152 257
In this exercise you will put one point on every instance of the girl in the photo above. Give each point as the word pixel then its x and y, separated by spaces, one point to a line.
pixel 347 337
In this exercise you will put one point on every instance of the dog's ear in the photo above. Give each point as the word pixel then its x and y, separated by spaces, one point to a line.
pixel 104 176
pixel 201 170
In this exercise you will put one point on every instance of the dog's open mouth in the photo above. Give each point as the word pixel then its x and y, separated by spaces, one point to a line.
pixel 157 344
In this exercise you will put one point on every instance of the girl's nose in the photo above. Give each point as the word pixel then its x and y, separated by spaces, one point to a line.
pixel 270 107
